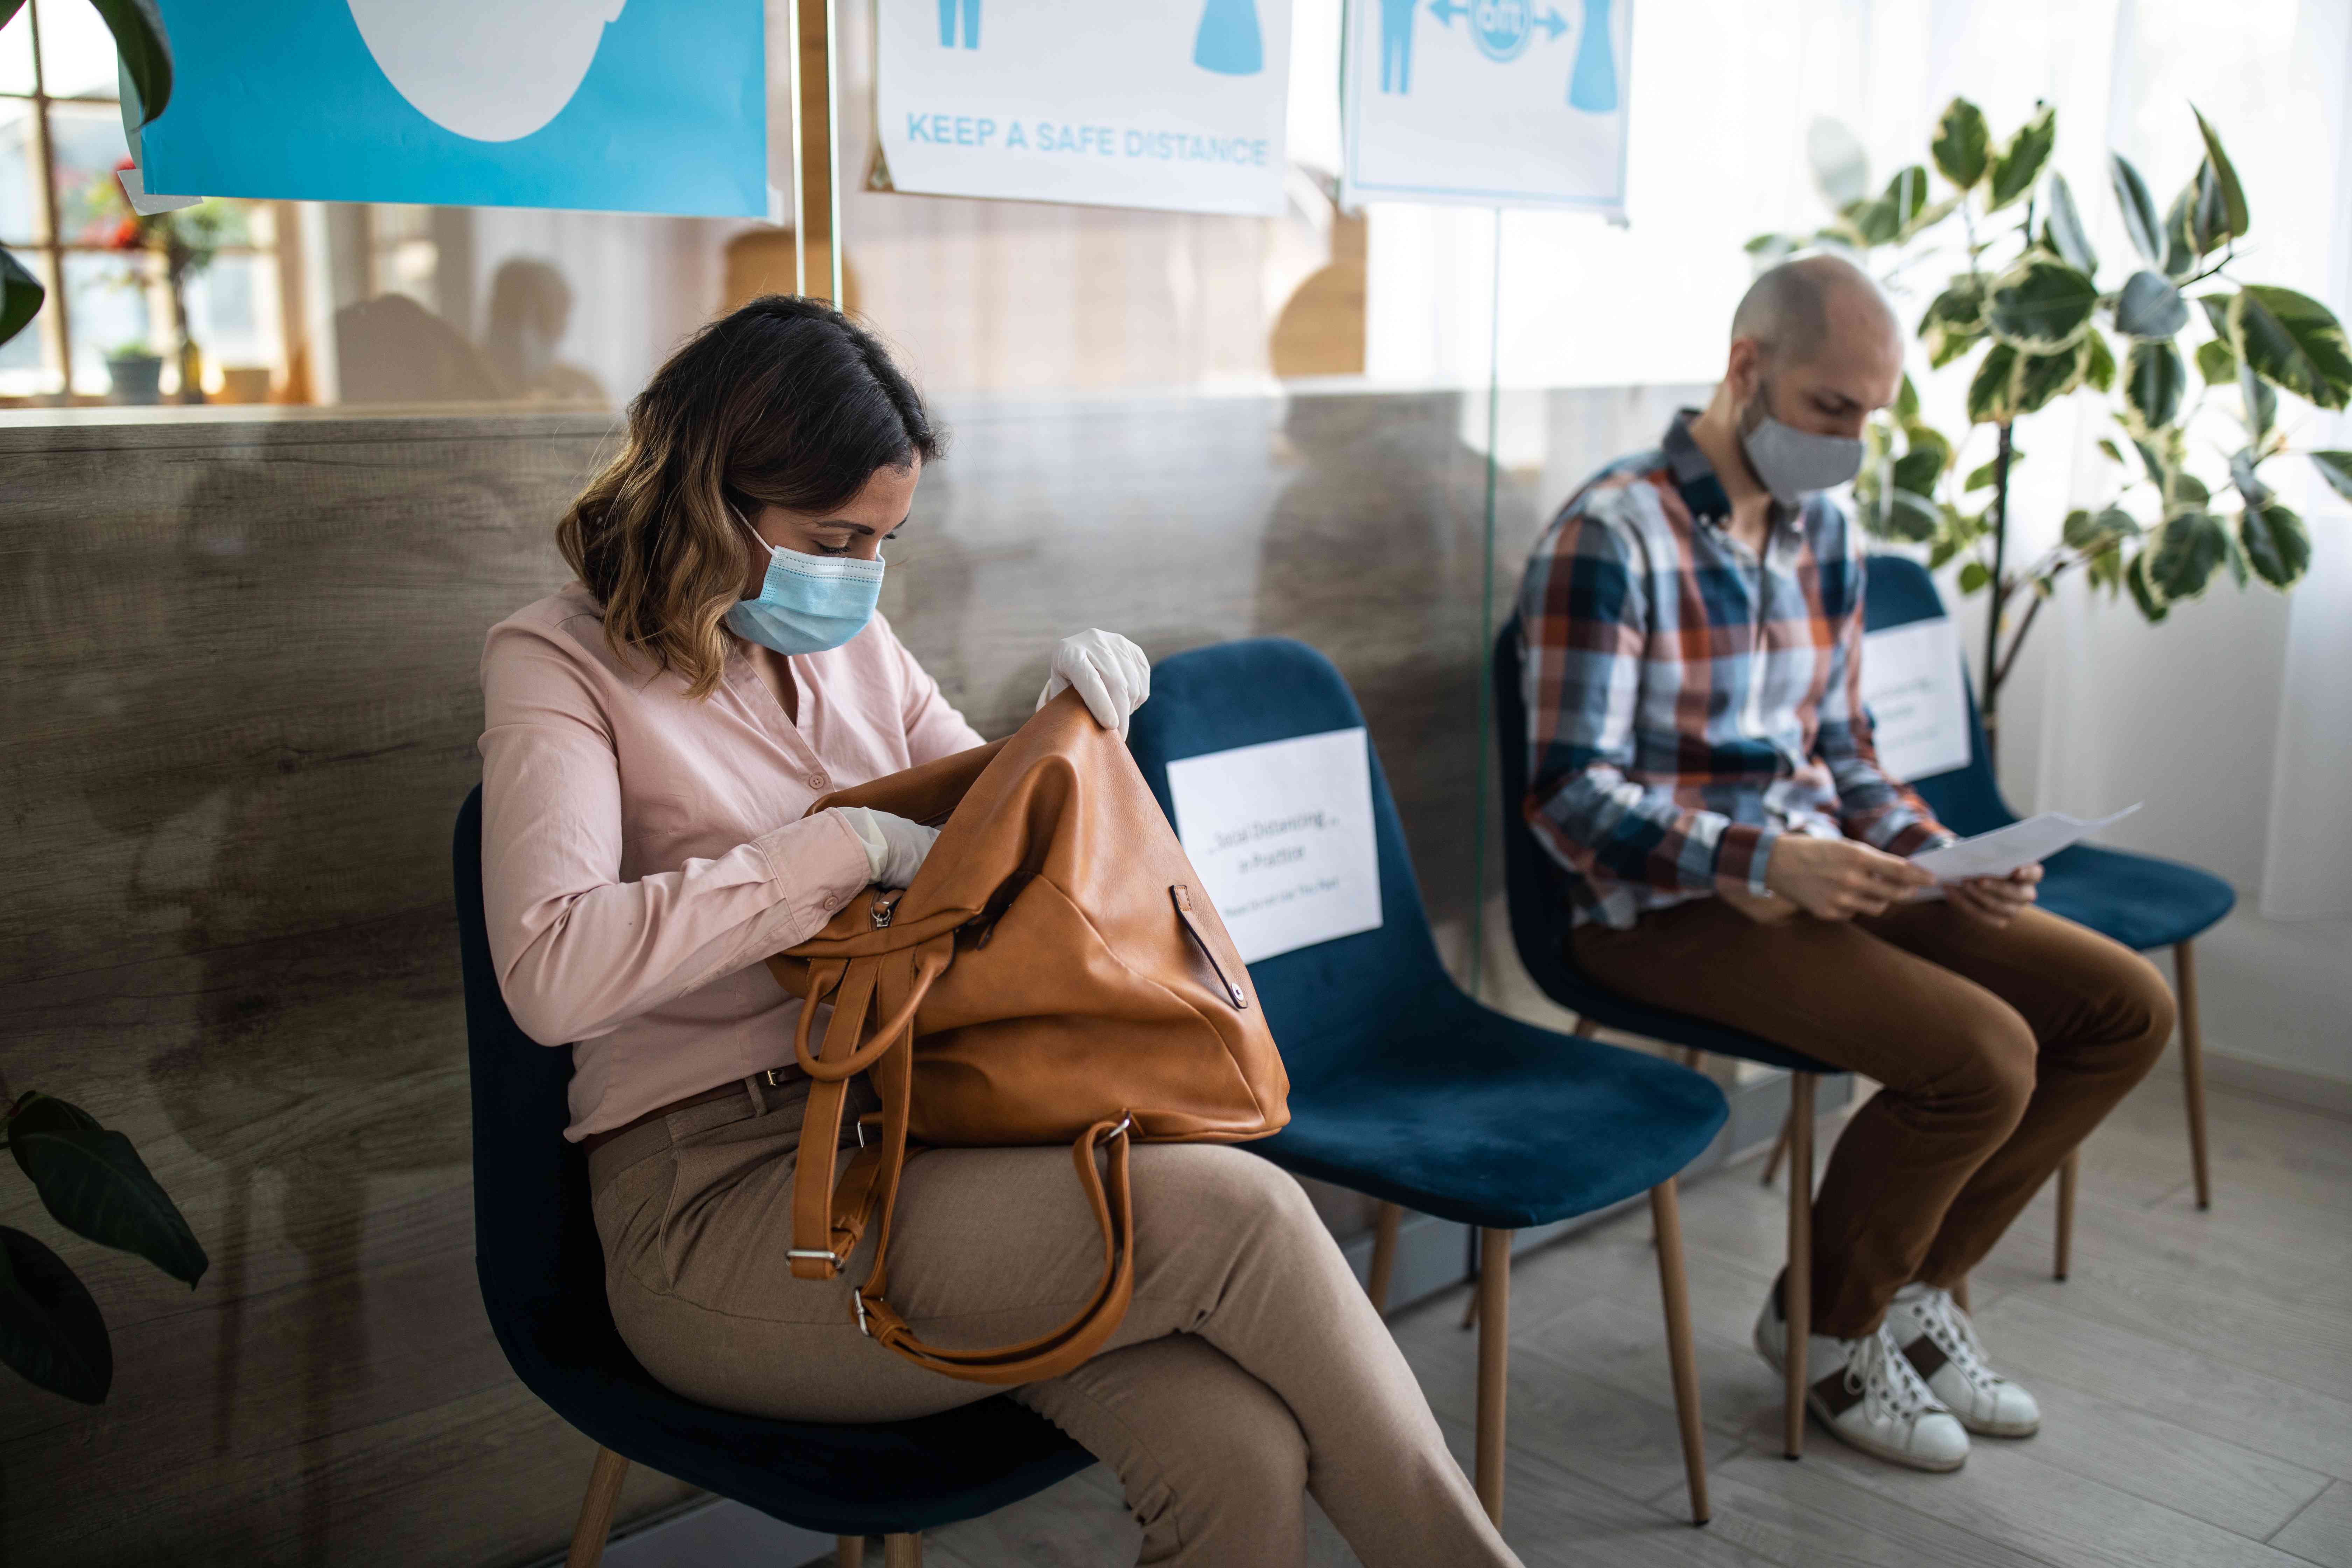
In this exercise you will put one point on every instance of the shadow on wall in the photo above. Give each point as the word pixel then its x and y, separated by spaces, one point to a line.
pixel 391 349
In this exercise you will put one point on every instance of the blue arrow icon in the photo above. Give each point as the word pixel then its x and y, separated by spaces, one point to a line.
pixel 1552 23
pixel 1446 10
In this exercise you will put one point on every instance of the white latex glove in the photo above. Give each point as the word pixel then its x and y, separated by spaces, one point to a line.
pixel 1109 672
pixel 894 846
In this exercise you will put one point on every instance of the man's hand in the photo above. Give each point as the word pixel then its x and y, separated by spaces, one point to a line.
pixel 1762 908
pixel 1995 901
pixel 1838 879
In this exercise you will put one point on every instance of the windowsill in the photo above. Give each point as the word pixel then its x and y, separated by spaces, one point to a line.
pixel 225 425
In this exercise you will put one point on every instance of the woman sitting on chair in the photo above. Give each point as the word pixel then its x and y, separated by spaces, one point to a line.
pixel 656 732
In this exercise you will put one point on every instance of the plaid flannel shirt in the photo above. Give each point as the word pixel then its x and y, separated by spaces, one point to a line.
pixel 1688 704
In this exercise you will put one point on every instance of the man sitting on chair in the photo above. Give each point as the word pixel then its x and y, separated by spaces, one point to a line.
pixel 1700 761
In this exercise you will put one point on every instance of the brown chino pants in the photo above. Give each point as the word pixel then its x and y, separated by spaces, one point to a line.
pixel 1999 1051
pixel 1250 1370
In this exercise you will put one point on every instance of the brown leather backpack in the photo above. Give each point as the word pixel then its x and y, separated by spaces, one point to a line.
pixel 1055 974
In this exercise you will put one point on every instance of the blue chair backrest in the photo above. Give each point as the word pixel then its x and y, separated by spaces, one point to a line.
pixel 1327 1002
pixel 1968 799
pixel 535 1248
pixel 1535 885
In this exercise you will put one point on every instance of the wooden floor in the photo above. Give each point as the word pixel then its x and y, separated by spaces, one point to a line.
pixel 2195 1376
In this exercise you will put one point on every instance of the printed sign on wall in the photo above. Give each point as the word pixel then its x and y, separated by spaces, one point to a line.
pixel 1177 105
pixel 1912 683
pixel 1282 836
pixel 1487 102
pixel 619 105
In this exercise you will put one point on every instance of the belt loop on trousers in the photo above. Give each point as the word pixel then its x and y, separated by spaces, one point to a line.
pixel 753 1086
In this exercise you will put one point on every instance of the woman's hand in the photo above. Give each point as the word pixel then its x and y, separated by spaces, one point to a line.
pixel 1109 674
pixel 1995 901
pixel 894 846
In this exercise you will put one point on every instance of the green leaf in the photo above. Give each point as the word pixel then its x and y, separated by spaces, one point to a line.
pixel 51 1330
pixel 2063 230
pixel 2233 555
pixel 2277 544
pixel 1906 401
pixel 1907 194
pixel 1983 475
pixel 2089 530
pixel 1841 168
pixel 1873 222
pixel 2140 222
pixel 2259 403
pixel 1992 390
pixel 20 296
pixel 2042 378
pixel 1768 242
pixel 2224 178
pixel 2041 305
pixel 2105 568
pixel 8 9
pixel 2144 591
pixel 2186 549
pixel 1918 470
pixel 2217 312
pixel 1911 517
pixel 2150 307
pixel 1974 576
pixel 2179 235
pixel 2019 166
pixel 1953 323
pixel 2294 340
pixel 2107 445
pixel 1961 146
pixel 2076 529
pixel 94 1183
pixel 146 53
pixel 2187 491
pixel 2250 484
pixel 1928 217
pixel 2335 468
pixel 2154 379
pixel 2217 362
pixel 1925 441
pixel 2100 371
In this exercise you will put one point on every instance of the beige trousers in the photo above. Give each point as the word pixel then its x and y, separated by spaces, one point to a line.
pixel 1249 1371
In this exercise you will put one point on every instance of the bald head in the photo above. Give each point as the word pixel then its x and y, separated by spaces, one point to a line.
pixel 1801 310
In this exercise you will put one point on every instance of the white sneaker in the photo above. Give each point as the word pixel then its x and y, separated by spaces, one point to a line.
pixel 1867 1395
pixel 1940 1343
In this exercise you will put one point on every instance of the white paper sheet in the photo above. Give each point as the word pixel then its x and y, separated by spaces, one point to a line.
pixel 1282 836
pixel 1918 709
pixel 2004 849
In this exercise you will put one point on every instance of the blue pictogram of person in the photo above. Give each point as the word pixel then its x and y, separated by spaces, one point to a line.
pixel 1592 82
pixel 970 14
pixel 1396 45
pixel 1228 41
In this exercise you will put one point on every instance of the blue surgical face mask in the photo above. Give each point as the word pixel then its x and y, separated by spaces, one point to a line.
pixel 1792 463
pixel 808 604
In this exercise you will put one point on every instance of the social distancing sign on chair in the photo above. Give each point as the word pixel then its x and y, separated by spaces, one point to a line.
pixel 1282 836
pixel 1912 684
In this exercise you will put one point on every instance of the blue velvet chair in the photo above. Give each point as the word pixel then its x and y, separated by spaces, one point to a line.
pixel 1536 889
pixel 1402 1087
pixel 542 1277
pixel 2140 901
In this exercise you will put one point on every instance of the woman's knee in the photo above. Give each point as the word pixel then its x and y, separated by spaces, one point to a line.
pixel 1217 1184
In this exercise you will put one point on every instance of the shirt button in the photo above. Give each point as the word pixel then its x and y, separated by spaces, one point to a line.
pixel 832 900
pixel 816 781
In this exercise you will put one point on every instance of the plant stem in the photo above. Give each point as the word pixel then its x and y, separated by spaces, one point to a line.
pixel 2016 643
pixel 1995 599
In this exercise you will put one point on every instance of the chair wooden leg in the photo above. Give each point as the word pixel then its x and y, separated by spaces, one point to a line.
pixel 1779 1147
pixel 1585 1026
pixel 2192 1067
pixel 902 1552
pixel 596 1510
pixel 1494 1363
pixel 1797 1284
pixel 1673 1294
pixel 2066 1213
pixel 849 1551
pixel 1384 1239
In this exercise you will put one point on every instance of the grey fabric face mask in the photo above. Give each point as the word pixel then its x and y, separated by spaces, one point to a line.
pixel 1794 463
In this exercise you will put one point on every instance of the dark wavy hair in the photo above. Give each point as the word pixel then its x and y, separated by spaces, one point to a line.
pixel 786 402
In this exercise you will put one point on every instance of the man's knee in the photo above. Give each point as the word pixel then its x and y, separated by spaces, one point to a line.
pixel 1992 1058
pixel 2142 1013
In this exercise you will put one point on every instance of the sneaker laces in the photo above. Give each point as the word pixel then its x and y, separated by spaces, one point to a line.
pixel 1879 1370
pixel 1956 1335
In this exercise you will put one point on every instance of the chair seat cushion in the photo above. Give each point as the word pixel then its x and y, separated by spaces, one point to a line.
pixel 1475 1117
pixel 2140 901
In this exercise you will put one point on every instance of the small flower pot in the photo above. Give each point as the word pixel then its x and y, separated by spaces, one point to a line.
pixel 136 378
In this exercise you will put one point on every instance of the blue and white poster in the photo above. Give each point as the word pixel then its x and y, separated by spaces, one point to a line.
pixel 1487 102
pixel 1176 104
pixel 656 105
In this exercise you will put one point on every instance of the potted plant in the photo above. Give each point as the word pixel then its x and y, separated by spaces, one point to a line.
pixel 93 1182
pixel 2025 314
pixel 185 239
pixel 135 372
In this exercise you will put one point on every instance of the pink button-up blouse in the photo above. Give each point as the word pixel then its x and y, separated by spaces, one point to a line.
pixel 642 852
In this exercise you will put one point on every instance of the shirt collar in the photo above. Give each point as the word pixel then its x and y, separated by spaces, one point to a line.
pixel 1695 476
